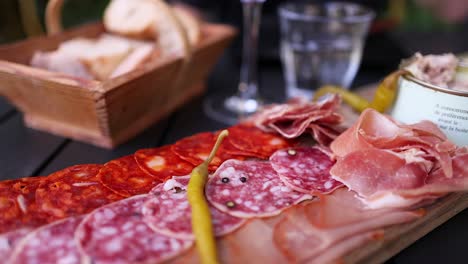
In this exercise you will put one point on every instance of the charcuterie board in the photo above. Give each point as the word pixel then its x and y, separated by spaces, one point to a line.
pixel 399 237
pixel 262 208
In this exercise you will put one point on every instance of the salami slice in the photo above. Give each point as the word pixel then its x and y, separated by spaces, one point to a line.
pixel 305 169
pixel 52 243
pixel 116 233
pixel 195 150
pixel 162 163
pixel 169 213
pixel 73 191
pixel 9 240
pixel 250 189
pixel 124 177
pixel 255 142
pixel 18 206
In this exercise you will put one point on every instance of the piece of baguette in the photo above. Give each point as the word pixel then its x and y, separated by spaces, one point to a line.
pixel 99 57
pixel 190 21
pixel 136 59
pixel 60 62
pixel 142 52
pixel 102 57
pixel 131 18
pixel 138 18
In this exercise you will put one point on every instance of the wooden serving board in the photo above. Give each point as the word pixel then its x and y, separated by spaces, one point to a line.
pixel 398 237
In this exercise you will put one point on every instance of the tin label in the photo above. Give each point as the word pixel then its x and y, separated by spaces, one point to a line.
pixel 450 112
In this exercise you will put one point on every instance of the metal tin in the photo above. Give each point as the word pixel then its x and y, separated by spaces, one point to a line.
pixel 417 100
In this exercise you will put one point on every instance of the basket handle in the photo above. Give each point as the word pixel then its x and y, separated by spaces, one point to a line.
pixel 53 17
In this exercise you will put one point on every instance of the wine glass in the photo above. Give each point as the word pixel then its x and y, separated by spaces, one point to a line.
pixel 246 101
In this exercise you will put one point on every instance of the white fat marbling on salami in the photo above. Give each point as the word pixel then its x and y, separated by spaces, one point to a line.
pixel 305 169
pixel 9 240
pixel 254 187
pixel 116 233
pixel 52 243
pixel 169 212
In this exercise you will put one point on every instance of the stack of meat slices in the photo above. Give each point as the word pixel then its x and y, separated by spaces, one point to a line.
pixel 269 196
pixel 395 165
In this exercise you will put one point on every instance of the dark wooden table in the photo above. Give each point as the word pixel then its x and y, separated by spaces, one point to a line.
pixel 26 152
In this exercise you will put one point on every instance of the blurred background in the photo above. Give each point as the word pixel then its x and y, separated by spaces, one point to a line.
pixel 401 28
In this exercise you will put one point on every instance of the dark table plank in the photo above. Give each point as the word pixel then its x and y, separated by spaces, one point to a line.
pixel 5 109
pixel 23 150
pixel 189 120
pixel 81 153
pixel 445 244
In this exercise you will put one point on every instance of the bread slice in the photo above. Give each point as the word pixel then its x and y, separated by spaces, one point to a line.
pixel 190 21
pixel 136 59
pixel 141 52
pixel 101 57
pixel 131 18
pixel 82 57
pixel 149 18
pixel 60 62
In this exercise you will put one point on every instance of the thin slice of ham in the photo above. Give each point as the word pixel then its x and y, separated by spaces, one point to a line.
pixel 397 165
pixel 253 243
pixel 291 120
pixel 333 226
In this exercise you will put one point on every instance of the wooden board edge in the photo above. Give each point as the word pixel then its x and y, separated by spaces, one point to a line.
pixel 399 237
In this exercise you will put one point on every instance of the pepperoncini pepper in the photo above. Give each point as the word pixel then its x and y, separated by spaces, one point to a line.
pixel 383 98
pixel 201 217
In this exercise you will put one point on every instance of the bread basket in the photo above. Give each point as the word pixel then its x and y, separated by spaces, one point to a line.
pixel 103 113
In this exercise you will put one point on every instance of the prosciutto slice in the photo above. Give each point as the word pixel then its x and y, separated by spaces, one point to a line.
pixel 396 165
pixel 321 119
pixel 333 226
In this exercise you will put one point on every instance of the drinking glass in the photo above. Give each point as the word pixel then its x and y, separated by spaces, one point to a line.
pixel 321 44
pixel 246 101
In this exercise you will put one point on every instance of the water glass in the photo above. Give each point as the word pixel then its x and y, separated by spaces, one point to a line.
pixel 321 44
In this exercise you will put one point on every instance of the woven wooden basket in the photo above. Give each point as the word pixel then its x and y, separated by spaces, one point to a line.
pixel 110 112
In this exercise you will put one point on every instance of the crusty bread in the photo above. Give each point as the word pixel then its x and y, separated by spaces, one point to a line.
pixel 140 18
pixel 141 52
pixel 136 59
pixel 90 58
pixel 133 18
pixel 175 31
pixel 190 21
pixel 60 62
pixel 101 57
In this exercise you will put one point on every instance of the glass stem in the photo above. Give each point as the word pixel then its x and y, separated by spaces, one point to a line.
pixel 248 86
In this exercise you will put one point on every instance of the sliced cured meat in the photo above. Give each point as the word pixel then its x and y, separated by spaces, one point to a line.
pixel 332 224
pixel 162 163
pixel 338 251
pixel 305 169
pixel 252 141
pixel 18 206
pixel 168 211
pixel 197 148
pixel 372 170
pixel 9 240
pixel 73 191
pixel 52 243
pixel 298 117
pixel 116 233
pixel 250 189
pixel 375 130
pixel 254 241
pixel 396 165
pixel 124 177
